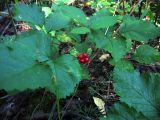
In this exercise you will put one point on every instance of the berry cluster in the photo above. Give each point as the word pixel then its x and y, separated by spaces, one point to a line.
pixel 83 58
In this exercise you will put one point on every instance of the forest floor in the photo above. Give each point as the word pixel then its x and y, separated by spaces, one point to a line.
pixel 40 104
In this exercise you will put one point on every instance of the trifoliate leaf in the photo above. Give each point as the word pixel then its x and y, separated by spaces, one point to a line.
pixel 139 91
pixel 138 30
pixel 29 13
pixel 146 54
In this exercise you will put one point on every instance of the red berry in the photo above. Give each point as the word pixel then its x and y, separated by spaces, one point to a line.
pixel 83 58
pixel 82 61
pixel 80 56
pixel 84 55
pixel 86 59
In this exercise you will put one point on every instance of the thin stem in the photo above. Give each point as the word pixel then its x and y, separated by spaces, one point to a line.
pixel 96 53
pixel 69 102
pixel 38 104
pixel 123 7
pixel 10 14
pixel 58 108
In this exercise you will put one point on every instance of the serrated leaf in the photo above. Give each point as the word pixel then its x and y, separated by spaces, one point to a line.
pixel 26 64
pixel 80 30
pixel 98 38
pixel 19 66
pixel 67 73
pixel 122 65
pixel 56 21
pixel 121 111
pixel 138 30
pixel 29 13
pixel 139 92
pixel 146 54
pixel 98 22
pixel 74 13
pixel 111 45
pixel 120 45
pixel 59 2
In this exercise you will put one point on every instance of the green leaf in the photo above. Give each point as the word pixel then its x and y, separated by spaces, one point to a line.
pixel 146 54
pixel 98 38
pixel 98 22
pixel 80 30
pixel 26 64
pixel 122 65
pixel 140 92
pixel 29 13
pixel 120 45
pixel 74 13
pixel 121 111
pixel 82 47
pixel 56 21
pixel 103 12
pixel 59 2
pixel 111 45
pixel 67 73
pixel 138 30
pixel 20 68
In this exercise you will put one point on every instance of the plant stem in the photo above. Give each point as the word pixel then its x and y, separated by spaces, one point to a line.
pixel 10 14
pixel 123 7
pixel 58 108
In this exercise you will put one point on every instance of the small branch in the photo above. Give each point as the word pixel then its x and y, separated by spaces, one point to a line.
pixel 38 105
pixel 66 107
pixel 123 7
pixel 97 51
pixel 10 15
pixel 6 28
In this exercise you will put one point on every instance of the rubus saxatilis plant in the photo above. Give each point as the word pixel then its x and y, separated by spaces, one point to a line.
pixel 31 60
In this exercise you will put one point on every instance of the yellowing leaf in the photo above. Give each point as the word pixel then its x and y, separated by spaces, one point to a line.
pixel 100 104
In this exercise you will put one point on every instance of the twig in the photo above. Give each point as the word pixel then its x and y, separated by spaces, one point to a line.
pixel 97 51
pixel 69 103
pixel 10 14
pixel 123 7
pixel 6 28
pixel 38 104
